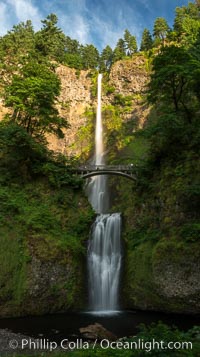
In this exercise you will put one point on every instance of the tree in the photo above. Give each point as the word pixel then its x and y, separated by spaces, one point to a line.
pixel 18 43
pixel 130 43
pixel 31 97
pixel 106 59
pixel 119 51
pixel 71 46
pixel 172 78
pixel 147 42
pixel 90 56
pixel 160 29
pixel 50 40
pixel 72 56
pixel 187 24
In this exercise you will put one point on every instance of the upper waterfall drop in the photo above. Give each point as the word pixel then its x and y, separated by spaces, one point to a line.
pixel 99 151
pixel 97 187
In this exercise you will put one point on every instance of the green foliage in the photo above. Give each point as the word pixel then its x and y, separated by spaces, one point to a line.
pixel 160 29
pixel 120 50
pixel 113 129
pixel 31 96
pixel 90 57
pixel 20 153
pixel 171 81
pixel 161 332
pixel 130 43
pixel 23 158
pixel 50 39
pixel 121 100
pixel 163 204
pixel 49 223
pixel 190 232
pixel 187 24
pixel 16 44
pixel 147 42
pixel 86 131
pixel 106 59
pixel 42 200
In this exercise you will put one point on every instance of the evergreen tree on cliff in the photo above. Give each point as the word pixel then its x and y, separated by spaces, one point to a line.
pixel 160 29
pixel 90 56
pixel 130 43
pixel 119 51
pixel 50 40
pixel 147 42
pixel 106 59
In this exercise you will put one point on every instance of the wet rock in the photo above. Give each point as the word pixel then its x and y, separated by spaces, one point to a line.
pixel 97 331
pixel 12 343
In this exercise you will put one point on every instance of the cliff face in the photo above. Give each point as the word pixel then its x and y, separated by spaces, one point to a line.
pixel 43 249
pixel 130 76
pixel 75 97
pixel 163 277
pixel 127 78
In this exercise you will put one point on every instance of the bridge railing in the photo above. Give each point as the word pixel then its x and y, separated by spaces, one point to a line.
pixel 86 167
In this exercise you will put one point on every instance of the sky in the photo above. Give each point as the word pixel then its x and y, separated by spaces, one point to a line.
pixel 100 22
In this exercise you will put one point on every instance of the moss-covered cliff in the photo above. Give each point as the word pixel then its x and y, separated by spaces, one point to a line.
pixel 45 220
pixel 43 236
pixel 161 230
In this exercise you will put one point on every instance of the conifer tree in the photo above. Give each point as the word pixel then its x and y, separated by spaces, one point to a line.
pixel 147 42
pixel 50 40
pixel 119 51
pixel 106 59
pixel 130 43
pixel 90 56
pixel 160 29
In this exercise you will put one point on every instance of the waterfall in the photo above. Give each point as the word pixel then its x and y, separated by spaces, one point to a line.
pixel 105 261
pixel 104 249
pixel 97 186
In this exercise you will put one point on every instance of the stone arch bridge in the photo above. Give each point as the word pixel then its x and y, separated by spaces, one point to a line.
pixel 87 171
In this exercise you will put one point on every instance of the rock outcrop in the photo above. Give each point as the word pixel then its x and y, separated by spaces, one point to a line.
pixel 163 277
pixel 130 76
pixel 75 97
pixel 97 332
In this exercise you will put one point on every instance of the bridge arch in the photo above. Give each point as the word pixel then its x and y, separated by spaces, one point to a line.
pixel 104 172
pixel 87 171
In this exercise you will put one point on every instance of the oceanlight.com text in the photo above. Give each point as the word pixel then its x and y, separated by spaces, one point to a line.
pixel 104 344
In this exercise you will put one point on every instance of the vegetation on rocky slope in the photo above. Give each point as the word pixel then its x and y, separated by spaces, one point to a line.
pixel 161 209
pixel 45 222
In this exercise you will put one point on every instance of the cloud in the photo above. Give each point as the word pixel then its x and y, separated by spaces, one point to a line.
pixel 25 10
pixel 75 26
pixel 109 19
pixel 100 22
pixel 4 19
pixel 15 11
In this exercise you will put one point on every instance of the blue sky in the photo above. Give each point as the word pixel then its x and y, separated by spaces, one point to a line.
pixel 100 22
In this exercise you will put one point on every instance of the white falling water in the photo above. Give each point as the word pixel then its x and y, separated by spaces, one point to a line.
pixel 97 187
pixel 105 261
pixel 104 251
